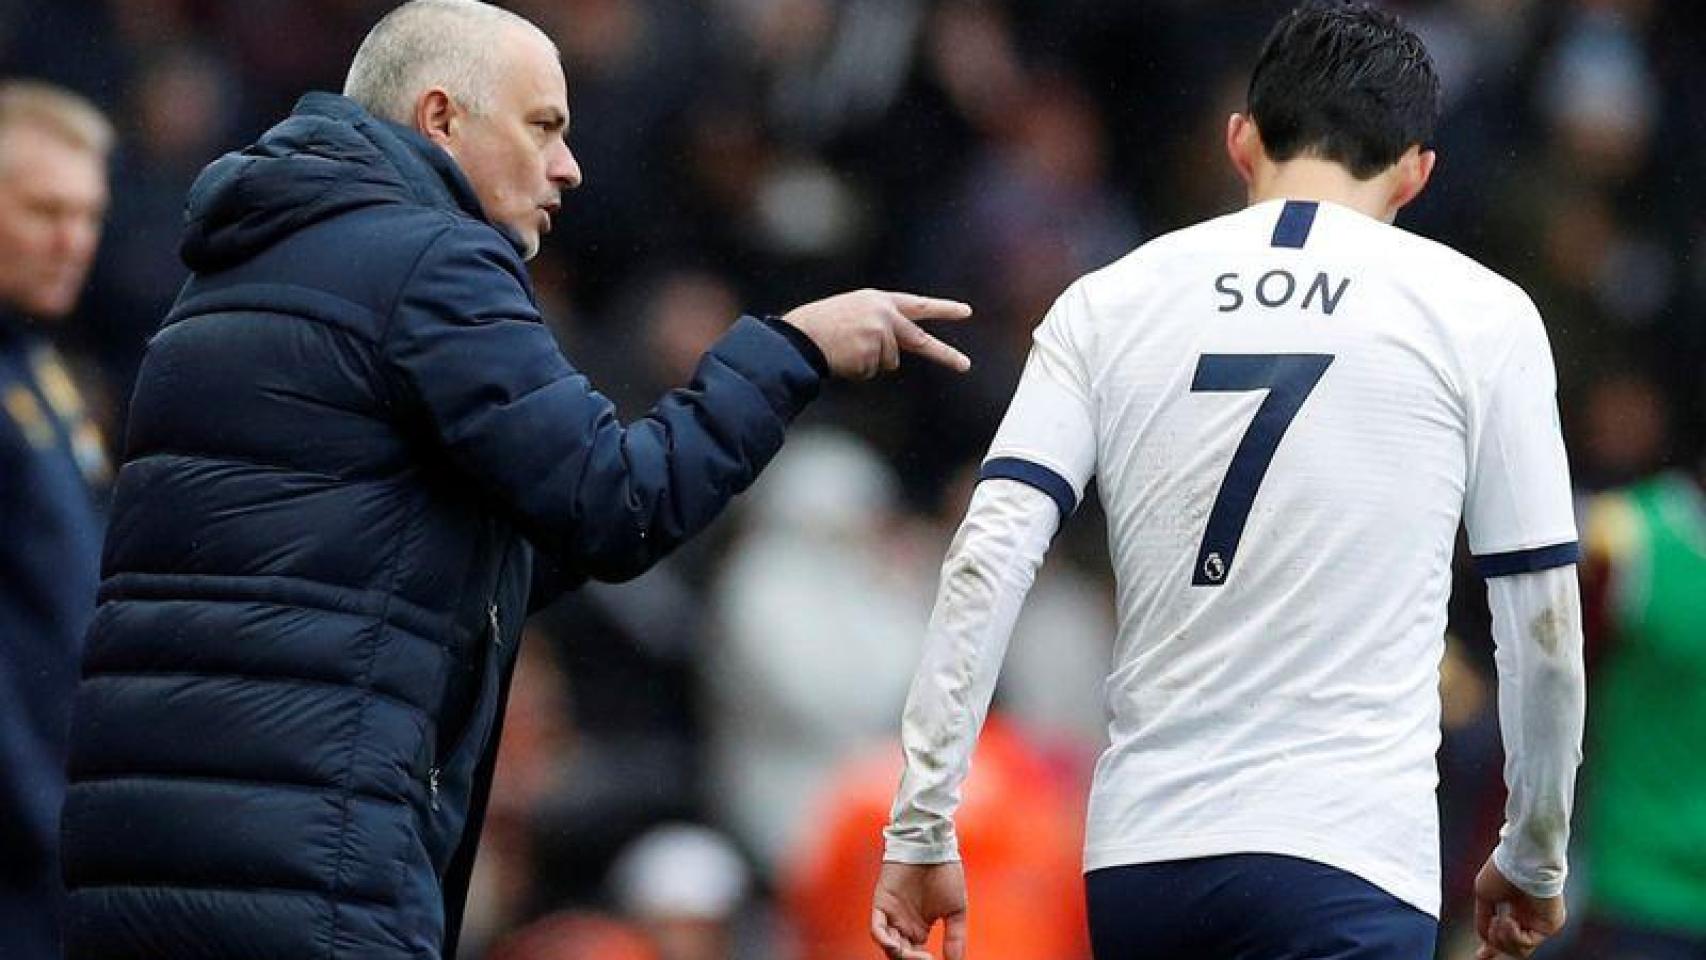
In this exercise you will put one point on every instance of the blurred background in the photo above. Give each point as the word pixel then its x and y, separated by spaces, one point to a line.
pixel 697 764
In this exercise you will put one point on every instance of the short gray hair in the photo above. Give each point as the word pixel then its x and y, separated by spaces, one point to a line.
pixel 430 43
pixel 54 111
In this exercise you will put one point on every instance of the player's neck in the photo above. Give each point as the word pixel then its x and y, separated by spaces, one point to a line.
pixel 1309 178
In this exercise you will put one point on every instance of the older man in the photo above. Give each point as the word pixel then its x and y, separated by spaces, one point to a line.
pixel 347 444
pixel 53 194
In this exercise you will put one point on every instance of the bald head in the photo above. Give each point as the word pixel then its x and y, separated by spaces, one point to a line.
pixel 452 45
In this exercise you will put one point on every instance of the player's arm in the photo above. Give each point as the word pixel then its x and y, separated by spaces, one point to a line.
pixel 989 569
pixel 1520 516
pixel 1033 478
pixel 1537 626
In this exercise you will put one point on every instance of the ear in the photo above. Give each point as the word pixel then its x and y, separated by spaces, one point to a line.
pixel 1415 167
pixel 1243 145
pixel 438 117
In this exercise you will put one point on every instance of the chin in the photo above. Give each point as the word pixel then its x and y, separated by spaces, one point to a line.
pixel 51 308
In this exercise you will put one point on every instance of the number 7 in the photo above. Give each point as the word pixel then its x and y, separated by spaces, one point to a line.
pixel 1289 378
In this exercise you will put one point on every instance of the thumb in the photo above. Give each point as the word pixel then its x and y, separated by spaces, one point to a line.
pixel 954 936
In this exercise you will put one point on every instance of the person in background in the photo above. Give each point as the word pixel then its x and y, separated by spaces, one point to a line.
pixel 1644 810
pixel 53 470
pixel 1021 815
pixel 820 588
pixel 687 887
pixel 577 935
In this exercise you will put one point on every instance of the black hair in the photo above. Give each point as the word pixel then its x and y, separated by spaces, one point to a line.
pixel 1347 82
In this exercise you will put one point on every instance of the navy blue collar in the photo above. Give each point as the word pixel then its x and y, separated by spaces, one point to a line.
pixel 14 326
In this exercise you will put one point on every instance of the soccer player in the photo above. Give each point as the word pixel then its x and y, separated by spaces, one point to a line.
pixel 1287 410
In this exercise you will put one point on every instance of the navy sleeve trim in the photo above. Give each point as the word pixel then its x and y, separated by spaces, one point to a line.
pixel 1034 475
pixel 802 342
pixel 1295 220
pixel 1528 561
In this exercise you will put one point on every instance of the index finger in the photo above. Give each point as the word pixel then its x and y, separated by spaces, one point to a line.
pixel 916 307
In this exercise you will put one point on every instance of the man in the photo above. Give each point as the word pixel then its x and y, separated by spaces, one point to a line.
pixel 347 442
pixel 53 196
pixel 1286 410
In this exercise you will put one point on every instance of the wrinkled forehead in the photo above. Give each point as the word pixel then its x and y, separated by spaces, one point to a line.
pixel 530 72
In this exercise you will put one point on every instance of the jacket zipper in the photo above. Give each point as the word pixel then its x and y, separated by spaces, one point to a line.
pixel 495 627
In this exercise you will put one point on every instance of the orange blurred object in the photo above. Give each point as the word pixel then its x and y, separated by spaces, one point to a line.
pixel 1021 835
pixel 575 935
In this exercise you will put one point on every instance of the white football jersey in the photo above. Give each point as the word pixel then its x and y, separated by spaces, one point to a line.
pixel 1286 411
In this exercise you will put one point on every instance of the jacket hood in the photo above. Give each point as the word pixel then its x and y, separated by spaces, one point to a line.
pixel 327 158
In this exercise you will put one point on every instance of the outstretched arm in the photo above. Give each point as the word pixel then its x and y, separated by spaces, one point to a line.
pixel 472 366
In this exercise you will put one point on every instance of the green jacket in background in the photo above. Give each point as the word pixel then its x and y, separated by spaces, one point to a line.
pixel 1645 829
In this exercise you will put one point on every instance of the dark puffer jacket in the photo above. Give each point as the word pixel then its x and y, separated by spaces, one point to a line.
pixel 346 442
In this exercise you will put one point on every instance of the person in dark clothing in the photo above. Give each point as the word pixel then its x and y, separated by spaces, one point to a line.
pixel 53 470
pixel 355 459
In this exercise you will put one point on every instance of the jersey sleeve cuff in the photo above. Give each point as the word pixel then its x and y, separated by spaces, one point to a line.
pixel 1527 561
pixel 911 851
pixel 1542 888
pixel 1035 475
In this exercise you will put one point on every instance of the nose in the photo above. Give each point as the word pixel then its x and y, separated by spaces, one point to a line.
pixel 563 169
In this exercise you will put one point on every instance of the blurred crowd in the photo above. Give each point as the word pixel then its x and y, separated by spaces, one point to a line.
pixel 696 764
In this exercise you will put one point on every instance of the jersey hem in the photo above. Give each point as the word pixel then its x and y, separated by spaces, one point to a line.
pixel 1418 894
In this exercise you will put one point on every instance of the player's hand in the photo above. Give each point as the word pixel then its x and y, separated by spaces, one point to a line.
pixel 910 898
pixel 863 333
pixel 1511 923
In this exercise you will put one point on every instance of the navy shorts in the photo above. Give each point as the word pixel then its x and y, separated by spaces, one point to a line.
pixel 1250 906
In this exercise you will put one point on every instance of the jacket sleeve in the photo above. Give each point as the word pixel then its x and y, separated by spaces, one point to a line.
pixel 467 354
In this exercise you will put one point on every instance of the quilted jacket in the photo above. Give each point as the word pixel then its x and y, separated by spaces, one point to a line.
pixel 349 441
